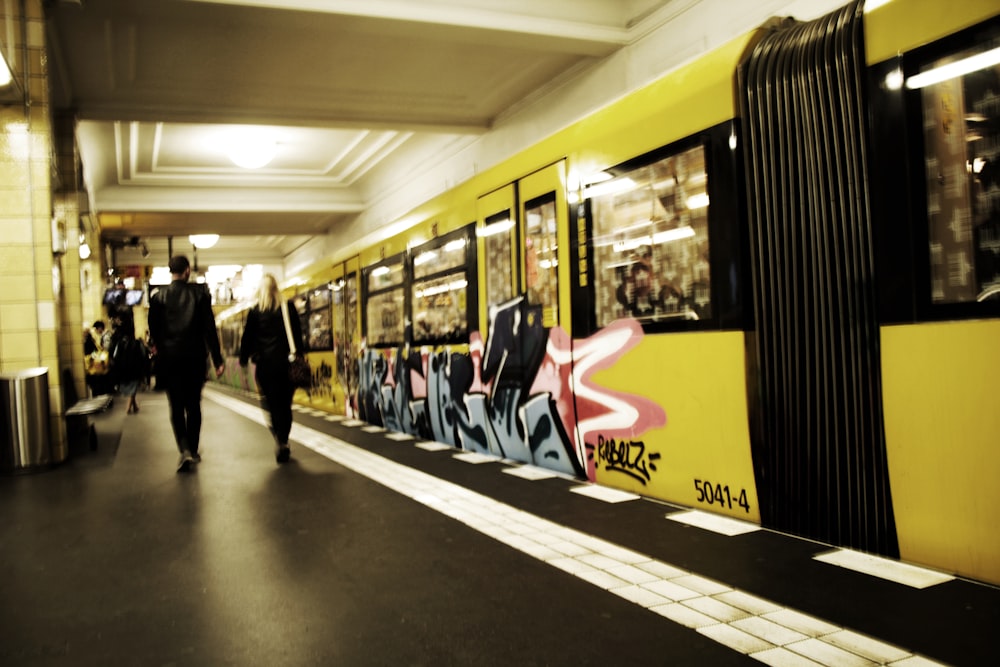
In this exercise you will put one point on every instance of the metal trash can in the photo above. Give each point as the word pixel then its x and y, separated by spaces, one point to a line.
pixel 24 402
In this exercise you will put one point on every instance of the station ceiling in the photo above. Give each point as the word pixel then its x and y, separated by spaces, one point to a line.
pixel 346 88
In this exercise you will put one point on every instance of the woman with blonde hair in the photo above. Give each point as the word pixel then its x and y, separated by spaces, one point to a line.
pixel 265 342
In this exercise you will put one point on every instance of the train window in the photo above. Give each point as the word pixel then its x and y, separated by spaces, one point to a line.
pixel 650 240
pixel 385 275
pixel 440 257
pixel 351 304
pixel 319 335
pixel 440 290
pixel 961 132
pixel 499 277
pixel 439 309
pixel 385 302
pixel 540 257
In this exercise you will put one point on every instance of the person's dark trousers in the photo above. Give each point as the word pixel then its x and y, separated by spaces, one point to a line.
pixel 276 397
pixel 184 396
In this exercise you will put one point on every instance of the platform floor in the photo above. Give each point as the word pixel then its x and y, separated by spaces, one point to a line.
pixel 368 549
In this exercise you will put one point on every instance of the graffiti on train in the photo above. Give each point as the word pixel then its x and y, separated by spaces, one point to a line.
pixel 628 457
pixel 518 396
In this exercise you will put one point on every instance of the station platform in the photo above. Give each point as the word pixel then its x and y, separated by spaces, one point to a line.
pixel 371 548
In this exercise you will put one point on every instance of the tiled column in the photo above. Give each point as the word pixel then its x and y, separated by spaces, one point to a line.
pixel 31 271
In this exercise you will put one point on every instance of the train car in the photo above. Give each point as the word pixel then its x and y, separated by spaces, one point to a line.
pixel 935 199
pixel 765 286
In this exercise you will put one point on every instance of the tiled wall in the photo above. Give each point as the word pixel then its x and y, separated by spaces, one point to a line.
pixel 35 317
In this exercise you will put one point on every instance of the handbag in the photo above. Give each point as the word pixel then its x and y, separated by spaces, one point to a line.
pixel 299 371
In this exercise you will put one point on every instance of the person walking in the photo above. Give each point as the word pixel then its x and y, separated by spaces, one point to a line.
pixel 129 362
pixel 96 360
pixel 182 327
pixel 265 341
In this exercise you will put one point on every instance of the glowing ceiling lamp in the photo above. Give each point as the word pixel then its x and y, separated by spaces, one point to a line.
pixel 6 78
pixel 203 241
pixel 252 148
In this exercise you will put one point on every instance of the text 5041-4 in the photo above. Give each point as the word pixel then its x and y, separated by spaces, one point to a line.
pixel 719 494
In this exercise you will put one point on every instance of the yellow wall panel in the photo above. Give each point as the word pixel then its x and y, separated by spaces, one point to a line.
pixel 17 284
pixel 14 231
pixel 15 260
pixel 13 177
pixel 19 349
pixel 21 316
pixel 15 203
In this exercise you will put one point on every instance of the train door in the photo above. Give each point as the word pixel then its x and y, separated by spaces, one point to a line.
pixel 496 213
pixel 522 232
pixel 346 336
pixel 818 439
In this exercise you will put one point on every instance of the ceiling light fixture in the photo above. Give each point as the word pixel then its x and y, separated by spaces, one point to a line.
pixel 252 148
pixel 203 241
pixel 10 90
pixel 5 76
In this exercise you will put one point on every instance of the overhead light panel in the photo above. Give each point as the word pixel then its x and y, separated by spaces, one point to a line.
pixel 10 91
pixel 252 147
pixel 203 241
pixel 6 78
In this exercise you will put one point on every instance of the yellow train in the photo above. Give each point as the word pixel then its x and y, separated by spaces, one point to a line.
pixel 767 285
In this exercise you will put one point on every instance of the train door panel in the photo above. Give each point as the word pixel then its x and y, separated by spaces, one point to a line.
pixel 939 283
pixel 512 338
pixel 529 355
pixel 527 404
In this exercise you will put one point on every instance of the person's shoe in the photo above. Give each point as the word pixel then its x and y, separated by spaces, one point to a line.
pixel 185 463
pixel 283 453
pixel 196 457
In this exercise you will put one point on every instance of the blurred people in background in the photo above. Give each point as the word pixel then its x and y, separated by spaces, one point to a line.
pixel 129 363
pixel 95 360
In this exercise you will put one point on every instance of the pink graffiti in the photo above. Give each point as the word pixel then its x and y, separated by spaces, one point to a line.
pixel 568 369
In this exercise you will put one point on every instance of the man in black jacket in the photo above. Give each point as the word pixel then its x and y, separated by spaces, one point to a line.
pixel 182 327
